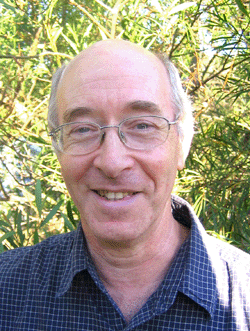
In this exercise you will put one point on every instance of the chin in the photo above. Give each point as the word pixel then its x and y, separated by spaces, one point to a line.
pixel 115 234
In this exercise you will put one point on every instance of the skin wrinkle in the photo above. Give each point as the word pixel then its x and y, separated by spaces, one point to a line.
pixel 148 107
pixel 71 114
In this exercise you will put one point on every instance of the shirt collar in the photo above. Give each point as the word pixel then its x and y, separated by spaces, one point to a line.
pixel 76 261
pixel 198 280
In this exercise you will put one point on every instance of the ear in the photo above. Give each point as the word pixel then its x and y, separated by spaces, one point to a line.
pixel 183 152
pixel 181 159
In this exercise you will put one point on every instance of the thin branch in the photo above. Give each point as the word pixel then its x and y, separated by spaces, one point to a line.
pixel 7 115
pixel 18 57
pixel 196 16
pixel 216 74
pixel 209 64
pixel 9 56
pixel 6 197
pixel 14 177
pixel 26 157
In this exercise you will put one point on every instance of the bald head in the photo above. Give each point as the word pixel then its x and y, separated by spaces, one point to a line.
pixel 108 60
pixel 118 65
pixel 120 50
pixel 112 57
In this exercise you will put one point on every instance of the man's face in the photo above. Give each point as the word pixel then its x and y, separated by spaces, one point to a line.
pixel 122 194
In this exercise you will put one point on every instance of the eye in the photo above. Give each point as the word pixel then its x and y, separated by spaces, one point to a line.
pixel 82 128
pixel 143 126
pixel 80 131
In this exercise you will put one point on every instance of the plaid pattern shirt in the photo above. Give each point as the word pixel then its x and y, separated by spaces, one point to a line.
pixel 54 286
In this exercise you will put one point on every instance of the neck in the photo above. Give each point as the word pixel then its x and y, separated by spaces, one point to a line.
pixel 131 273
pixel 158 250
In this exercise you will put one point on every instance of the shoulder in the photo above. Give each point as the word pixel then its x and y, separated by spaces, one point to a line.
pixel 231 264
pixel 232 271
pixel 22 260
pixel 230 254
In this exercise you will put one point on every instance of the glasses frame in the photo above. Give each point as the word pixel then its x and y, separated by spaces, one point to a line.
pixel 120 133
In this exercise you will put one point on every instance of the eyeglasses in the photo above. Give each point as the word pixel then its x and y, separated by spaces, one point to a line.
pixel 138 132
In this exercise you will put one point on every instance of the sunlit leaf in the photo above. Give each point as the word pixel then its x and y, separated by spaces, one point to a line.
pixel 181 7
pixel 71 43
pixel 157 5
pixel 104 37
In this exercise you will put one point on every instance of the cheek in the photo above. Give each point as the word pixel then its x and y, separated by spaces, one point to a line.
pixel 161 164
pixel 165 174
pixel 72 168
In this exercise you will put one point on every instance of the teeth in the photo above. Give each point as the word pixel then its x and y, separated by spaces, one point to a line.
pixel 113 195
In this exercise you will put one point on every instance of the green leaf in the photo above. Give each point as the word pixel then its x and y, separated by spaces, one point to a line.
pixel 67 223
pixel 6 6
pixel 11 239
pixel 39 140
pixel 4 224
pixel 1 248
pixel 28 222
pixel 69 212
pixel 242 7
pixel 38 195
pixel 51 214
pixel 6 236
pixel 19 228
pixel 35 237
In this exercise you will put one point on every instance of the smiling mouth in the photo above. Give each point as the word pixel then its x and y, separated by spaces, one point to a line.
pixel 114 195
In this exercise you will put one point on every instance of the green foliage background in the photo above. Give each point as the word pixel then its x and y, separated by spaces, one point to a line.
pixel 209 41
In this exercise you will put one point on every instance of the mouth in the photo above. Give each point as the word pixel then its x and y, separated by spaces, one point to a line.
pixel 113 196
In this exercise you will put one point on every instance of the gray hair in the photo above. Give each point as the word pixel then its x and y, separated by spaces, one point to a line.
pixel 181 103
pixel 53 111
pixel 179 99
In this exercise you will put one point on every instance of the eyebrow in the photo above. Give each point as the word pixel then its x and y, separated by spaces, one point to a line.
pixel 142 105
pixel 71 114
pixel 147 106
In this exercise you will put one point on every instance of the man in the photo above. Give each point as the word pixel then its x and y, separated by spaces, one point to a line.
pixel 121 126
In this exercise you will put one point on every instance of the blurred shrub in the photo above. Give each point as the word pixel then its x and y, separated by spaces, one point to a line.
pixel 208 42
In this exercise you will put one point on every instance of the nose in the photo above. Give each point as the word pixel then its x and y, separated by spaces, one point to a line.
pixel 113 156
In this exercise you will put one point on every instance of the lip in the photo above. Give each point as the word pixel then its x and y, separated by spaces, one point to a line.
pixel 114 189
pixel 124 202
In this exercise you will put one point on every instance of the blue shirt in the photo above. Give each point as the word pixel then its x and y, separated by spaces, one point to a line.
pixel 54 286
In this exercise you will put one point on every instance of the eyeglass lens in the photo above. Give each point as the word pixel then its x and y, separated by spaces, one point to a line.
pixel 137 133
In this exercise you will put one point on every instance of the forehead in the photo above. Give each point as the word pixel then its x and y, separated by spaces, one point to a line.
pixel 106 80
